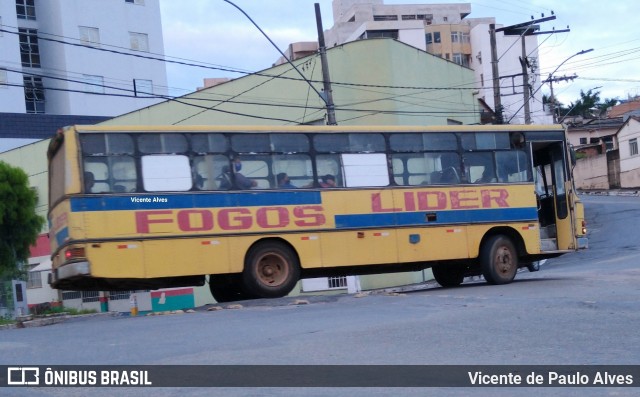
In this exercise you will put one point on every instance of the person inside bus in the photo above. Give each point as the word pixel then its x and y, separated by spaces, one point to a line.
pixel 89 181
pixel 328 181
pixel 284 182
pixel 242 182
pixel 487 176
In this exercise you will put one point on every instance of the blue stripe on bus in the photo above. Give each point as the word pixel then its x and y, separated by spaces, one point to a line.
pixel 218 200
pixel 392 219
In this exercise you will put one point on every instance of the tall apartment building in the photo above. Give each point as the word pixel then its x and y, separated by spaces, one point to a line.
pixel 78 57
pixel 445 31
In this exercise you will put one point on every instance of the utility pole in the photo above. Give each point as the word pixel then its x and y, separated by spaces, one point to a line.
pixel 552 99
pixel 523 30
pixel 525 81
pixel 497 101
pixel 326 80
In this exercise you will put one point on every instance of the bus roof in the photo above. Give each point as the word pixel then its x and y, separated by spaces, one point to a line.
pixel 314 129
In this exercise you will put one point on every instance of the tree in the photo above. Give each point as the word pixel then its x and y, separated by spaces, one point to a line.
pixel 588 105
pixel 19 223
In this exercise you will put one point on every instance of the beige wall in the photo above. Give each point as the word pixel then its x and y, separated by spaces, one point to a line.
pixel 591 173
pixel 278 101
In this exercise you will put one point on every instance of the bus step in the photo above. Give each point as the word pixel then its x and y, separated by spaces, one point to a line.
pixel 548 244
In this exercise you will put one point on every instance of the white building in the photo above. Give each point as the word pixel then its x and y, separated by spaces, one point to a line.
pixel 444 30
pixel 58 54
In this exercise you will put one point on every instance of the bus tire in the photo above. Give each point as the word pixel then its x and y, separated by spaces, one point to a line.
pixel 448 275
pixel 271 270
pixel 498 260
pixel 226 288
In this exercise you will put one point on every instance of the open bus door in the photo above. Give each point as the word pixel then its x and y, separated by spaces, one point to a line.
pixel 555 196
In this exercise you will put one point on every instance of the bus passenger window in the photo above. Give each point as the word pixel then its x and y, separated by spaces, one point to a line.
pixel 329 164
pixel 296 167
pixel 479 167
pixel 513 166
pixel 208 172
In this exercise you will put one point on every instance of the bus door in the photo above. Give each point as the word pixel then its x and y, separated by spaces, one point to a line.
pixel 553 199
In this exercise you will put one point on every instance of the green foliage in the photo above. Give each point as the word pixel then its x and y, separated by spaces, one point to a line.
pixel 589 105
pixel 19 223
pixel 67 310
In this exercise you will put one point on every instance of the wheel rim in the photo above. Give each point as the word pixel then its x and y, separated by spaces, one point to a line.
pixel 272 269
pixel 503 261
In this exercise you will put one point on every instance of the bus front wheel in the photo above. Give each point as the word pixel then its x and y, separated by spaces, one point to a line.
pixel 448 275
pixel 499 260
pixel 271 270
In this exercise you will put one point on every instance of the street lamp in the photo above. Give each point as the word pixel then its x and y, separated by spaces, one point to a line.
pixel 551 74
pixel 550 80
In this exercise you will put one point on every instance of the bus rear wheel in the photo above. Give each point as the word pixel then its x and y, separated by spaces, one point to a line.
pixel 448 275
pixel 227 288
pixel 271 270
pixel 498 260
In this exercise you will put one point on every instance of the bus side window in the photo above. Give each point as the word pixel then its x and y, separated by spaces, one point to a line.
pixel 208 172
pixel 329 164
pixel 297 168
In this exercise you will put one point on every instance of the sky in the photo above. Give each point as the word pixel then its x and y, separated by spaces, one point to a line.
pixel 214 33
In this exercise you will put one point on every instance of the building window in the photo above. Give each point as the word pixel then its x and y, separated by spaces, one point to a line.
pixel 29 50
pixel 337 282
pixel 89 36
pixel 26 9
pixel 408 17
pixel 583 141
pixel 633 146
pixel 33 94
pixel 373 34
pixel 143 87
pixel 385 17
pixel 455 37
pixel 465 38
pixel 436 37
pixel 457 58
pixel 445 19
pixel 139 41
pixel 35 279
pixel 429 38
pixel 93 84
pixel 138 2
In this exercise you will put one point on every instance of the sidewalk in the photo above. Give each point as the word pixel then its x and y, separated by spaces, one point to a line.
pixel 612 192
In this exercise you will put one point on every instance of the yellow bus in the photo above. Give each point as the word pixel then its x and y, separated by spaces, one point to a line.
pixel 252 210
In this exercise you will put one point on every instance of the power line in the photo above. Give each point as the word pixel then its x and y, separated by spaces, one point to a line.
pixel 224 69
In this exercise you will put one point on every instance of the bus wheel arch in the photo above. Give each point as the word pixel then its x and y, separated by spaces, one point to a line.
pixel 500 250
pixel 271 269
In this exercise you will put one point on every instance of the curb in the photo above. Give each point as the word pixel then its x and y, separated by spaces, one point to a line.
pixel 55 319
pixel 614 192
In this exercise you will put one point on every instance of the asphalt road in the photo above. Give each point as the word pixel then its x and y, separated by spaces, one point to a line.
pixel 580 309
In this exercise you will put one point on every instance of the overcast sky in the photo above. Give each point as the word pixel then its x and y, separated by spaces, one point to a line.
pixel 215 33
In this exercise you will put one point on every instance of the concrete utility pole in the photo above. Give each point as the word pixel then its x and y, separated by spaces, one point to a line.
pixel 523 30
pixel 552 98
pixel 326 79
pixel 525 81
pixel 497 101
